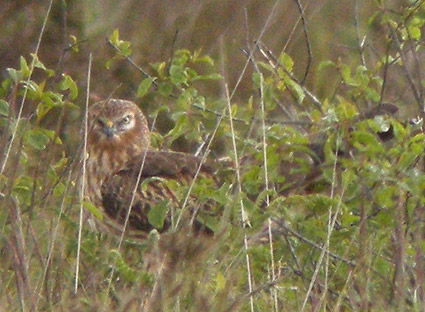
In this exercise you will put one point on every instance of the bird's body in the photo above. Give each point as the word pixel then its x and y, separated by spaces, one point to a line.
pixel 123 172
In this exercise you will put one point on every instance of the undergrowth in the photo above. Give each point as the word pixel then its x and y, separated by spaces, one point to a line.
pixel 322 208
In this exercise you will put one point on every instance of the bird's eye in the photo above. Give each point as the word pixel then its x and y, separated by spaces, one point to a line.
pixel 126 120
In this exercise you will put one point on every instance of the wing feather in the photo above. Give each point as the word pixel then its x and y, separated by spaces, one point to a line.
pixel 160 167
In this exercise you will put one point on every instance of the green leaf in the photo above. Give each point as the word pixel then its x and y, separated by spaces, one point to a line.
pixel 321 203
pixel 144 86
pixel 165 88
pixel 160 68
pixel 4 108
pixel 348 219
pixel 74 43
pixel 325 64
pixel 93 210
pixel 38 64
pixel 145 183
pixel 256 78
pixel 372 94
pixel 373 17
pixel 37 139
pixel 414 32
pixel 345 110
pixel 177 74
pixel 52 135
pixel 35 91
pixel 158 213
pixel 180 58
pixel 366 141
pixel 385 196
pixel 286 61
pixel 208 77
pixel 68 84
pixel 109 62
pixel 51 174
pixel 156 139
pixel 266 66
pixel 59 189
pixel 123 47
pixel 361 75
pixel 296 88
pixel 114 37
pixel 15 75
pixel 43 108
pixel 220 282
pixel 407 158
pixel 251 180
pixel 345 72
pixel 221 195
pixel 202 59
pixel 181 126
pixel 418 138
pixel 25 70
pixel 191 74
pixel 23 188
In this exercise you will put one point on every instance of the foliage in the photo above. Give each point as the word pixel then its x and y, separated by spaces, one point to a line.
pixel 322 206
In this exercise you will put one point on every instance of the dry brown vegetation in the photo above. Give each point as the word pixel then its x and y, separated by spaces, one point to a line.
pixel 323 209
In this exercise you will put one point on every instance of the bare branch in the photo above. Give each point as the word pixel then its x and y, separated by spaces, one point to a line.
pixel 307 41
pixel 284 226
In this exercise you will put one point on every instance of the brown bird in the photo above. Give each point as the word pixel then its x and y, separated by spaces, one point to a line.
pixel 120 156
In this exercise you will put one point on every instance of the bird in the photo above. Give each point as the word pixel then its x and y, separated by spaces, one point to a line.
pixel 127 179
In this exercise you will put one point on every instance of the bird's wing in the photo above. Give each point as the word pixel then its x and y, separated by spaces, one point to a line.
pixel 162 189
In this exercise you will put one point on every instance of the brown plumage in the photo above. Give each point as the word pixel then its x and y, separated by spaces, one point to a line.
pixel 118 148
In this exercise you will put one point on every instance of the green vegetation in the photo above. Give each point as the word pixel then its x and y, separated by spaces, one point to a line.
pixel 322 208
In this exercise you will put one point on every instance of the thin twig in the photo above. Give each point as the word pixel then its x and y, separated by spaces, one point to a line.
pixel 127 217
pixel 263 113
pixel 251 51
pixel 173 46
pixel 83 175
pixel 219 114
pixel 267 120
pixel 331 225
pixel 384 75
pixel 307 41
pixel 128 59
pixel 64 20
pixel 344 290
pixel 54 237
pixel 273 61
pixel 405 70
pixel 356 26
pixel 284 226
pixel 198 170
pixel 24 95
pixel 244 218
pixel 17 213
pixel 266 179
pixel 17 245
pixel 272 264
pixel 418 71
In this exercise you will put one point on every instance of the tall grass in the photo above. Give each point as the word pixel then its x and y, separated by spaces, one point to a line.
pixel 320 203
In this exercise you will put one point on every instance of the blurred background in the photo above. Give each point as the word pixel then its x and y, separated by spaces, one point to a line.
pixel 223 29
pixel 354 56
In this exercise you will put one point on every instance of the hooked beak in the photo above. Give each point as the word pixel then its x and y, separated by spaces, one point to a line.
pixel 108 129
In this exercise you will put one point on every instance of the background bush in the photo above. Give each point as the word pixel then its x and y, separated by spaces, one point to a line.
pixel 327 210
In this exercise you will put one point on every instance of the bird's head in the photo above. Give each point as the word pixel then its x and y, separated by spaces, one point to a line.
pixel 117 125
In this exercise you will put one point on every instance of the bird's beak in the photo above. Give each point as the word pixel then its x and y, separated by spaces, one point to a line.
pixel 109 129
